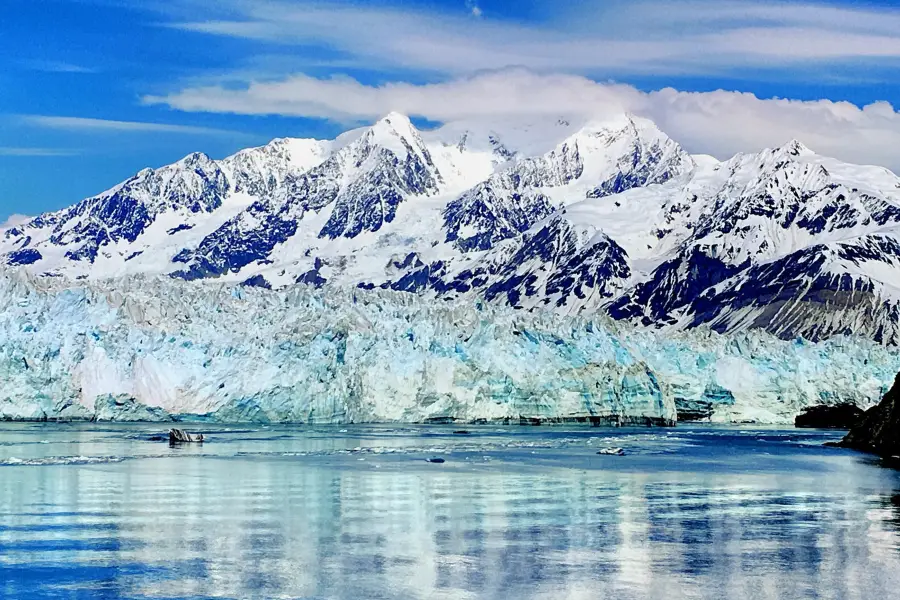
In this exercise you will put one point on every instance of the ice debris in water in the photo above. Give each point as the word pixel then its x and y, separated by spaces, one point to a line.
pixel 612 451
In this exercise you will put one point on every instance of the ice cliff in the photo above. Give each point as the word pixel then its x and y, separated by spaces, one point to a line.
pixel 156 348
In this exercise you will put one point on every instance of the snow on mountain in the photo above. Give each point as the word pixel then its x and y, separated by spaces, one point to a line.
pixel 599 160
pixel 140 224
pixel 574 217
pixel 155 347
pixel 555 264
pixel 847 287
pixel 786 240
pixel 260 171
pixel 194 185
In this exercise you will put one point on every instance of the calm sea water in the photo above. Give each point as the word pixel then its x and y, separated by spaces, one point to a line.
pixel 99 511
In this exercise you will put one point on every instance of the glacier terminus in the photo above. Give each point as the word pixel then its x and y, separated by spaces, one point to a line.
pixel 153 348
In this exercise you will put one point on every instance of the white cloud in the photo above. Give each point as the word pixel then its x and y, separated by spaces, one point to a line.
pixel 719 123
pixel 13 220
pixel 612 37
pixel 30 151
pixel 86 124
pixel 509 93
pixel 54 66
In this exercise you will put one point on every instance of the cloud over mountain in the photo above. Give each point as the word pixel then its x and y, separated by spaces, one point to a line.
pixel 720 123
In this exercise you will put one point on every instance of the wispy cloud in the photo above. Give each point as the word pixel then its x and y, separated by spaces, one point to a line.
pixel 53 66
pixel 719 123
pixel 27 151
pixel 474 9
pixel 610 37
pixel 87 124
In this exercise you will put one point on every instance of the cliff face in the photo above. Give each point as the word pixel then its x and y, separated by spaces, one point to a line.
pixel 879 429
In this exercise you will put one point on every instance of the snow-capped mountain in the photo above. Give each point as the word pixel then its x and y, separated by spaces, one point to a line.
pixel 610 216
pixel 786 240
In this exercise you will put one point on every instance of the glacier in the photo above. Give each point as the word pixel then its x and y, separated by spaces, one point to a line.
pixel 157 348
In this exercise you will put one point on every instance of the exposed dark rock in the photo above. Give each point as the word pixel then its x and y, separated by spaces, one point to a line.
pixel 180 436
pixel 879 429
pixel 435 460
pixel 461 432
pixel 257 281
pixel 839 416
pixel 26 256
pixel 694 411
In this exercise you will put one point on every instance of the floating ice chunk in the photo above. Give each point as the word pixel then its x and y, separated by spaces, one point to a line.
pixel 612 451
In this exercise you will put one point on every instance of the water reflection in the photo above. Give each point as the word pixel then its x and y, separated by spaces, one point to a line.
pixel 266 527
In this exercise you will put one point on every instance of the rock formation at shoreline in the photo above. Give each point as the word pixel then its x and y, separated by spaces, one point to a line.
pixel 879 430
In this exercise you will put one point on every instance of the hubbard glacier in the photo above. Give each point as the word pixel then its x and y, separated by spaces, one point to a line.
pixel 457 300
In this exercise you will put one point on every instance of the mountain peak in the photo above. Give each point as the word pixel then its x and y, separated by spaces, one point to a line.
pixel 194 159
pixel 395 124
pixel 396 132
pixel 796 148
pixel 468 209
pixel 395 118
pixel 626 125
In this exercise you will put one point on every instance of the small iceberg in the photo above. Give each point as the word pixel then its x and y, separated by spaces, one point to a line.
pixel 612 451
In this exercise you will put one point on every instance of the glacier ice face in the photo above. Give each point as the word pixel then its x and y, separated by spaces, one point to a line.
pixel 156 347
pixel 123 408
pixel 239 353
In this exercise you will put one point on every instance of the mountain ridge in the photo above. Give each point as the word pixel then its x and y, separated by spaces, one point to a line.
pixel 610 215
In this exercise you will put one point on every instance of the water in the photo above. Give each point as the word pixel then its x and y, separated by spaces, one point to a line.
pixel 99 511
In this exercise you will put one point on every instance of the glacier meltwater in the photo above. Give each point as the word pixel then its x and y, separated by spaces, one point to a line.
pixel 155 348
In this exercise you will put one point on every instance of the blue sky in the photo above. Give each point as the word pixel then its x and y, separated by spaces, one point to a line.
pixel 92 91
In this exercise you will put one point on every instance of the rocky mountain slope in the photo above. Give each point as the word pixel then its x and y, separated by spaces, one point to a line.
pixel 606 217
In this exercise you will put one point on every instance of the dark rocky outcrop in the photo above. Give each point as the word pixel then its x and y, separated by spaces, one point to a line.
pixel 879 429
pixel 838 416
pixel 180 436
